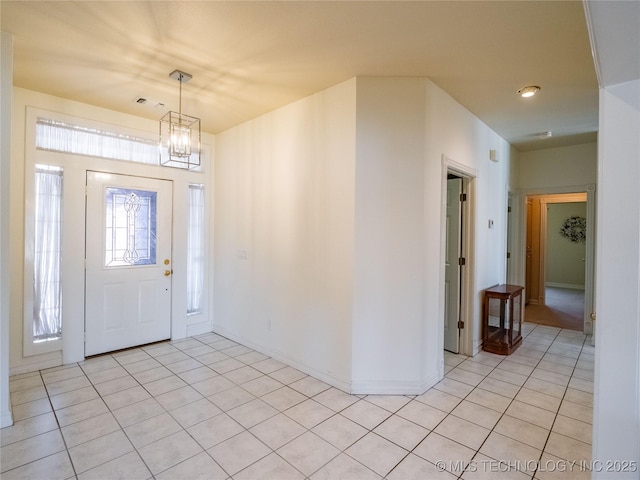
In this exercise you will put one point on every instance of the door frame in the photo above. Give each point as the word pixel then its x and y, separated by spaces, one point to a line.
pixel 544 229
pixel 140 182
pixel 467 276
pixel 590 260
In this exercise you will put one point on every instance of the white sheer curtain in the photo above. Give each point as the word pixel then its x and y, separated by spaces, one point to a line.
pixel 47 291
pixel 58 136
pixel 195 249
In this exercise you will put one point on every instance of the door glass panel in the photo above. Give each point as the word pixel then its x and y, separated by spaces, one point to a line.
pixel 507 317
pixel 130 227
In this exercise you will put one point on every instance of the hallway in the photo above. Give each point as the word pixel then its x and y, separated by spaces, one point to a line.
pixel 564 309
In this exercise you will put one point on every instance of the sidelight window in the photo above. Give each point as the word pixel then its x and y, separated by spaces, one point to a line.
pixel 47 264
pixel 195 250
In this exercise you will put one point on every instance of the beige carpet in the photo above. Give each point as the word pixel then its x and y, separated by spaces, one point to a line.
pixel 564 308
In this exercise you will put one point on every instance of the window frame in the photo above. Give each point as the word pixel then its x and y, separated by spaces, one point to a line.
pixel 30 345
pixel 202 241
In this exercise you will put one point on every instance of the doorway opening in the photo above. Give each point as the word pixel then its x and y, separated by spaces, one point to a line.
pixel 454 261
pixel 556 260
pixel 460 324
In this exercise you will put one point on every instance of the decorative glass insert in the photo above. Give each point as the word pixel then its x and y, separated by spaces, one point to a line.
pixel 47 262
pixel 130 227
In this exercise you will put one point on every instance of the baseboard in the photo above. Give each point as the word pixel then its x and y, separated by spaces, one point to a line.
pixel 564 285
pixel 35 363
pixel 339 383
pixel 477 348
pixel 393 388
pixel 198 329
pixel 6 420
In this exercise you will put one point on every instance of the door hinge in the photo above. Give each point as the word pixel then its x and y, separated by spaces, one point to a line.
pixel 462 261
pixel 460 324
pixel 508 209
pixel 463 197
pixel 508 254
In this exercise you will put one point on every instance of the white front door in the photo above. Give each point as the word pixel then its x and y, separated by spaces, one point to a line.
pixel 128 261
pixel 452 266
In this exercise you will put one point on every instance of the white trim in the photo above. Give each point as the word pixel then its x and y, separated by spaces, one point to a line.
pixel 593 40
pixel 30 348
pixel 198 328
pixel 71 348
pixel 394 388
pixel 564 285
pixel 6 95
pixel 542 245
pixel 514 274
pixel 6 419
pixel 590 257
pixel 467 313
pixel 558 190
pixel 37 362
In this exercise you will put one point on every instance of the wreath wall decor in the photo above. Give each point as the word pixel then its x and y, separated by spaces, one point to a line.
pixel 574 228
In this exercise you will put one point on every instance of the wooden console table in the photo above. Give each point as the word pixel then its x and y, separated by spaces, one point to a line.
pixel 502 319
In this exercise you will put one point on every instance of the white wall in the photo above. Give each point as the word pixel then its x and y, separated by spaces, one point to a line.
pixel 6 83
pixel 458 135
pixel 515 268
pixel 550 168
pixel 329 238
pixel 617 369
pixel 565 262
pixel 389 255
pixel 559 170
pixel 284 213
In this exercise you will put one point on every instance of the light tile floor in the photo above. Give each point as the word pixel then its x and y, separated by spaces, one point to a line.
pixel 209 408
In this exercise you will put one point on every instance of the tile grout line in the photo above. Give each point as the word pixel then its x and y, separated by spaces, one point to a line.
pixel 55 415
pixel 451 412
pixel 557 413
pixel 334 414
pixel 511 402
pixel 513 399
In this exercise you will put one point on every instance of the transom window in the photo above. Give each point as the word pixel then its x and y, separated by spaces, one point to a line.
pixel 58 136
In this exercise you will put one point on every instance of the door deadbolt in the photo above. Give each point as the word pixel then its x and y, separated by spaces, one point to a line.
pixel 167 261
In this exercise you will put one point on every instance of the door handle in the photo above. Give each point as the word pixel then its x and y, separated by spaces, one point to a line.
pixel 167 273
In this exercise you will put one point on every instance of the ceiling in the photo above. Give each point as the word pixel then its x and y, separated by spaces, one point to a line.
pixel 248 58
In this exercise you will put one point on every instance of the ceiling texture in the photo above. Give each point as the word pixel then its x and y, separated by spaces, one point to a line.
pixel 248 58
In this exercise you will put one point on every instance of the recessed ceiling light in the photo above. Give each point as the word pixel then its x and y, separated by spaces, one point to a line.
pixel 529 91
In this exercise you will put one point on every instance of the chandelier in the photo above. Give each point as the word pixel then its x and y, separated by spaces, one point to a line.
pixel 180 134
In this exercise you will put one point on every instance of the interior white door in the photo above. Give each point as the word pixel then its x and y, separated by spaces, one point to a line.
pixel 128 261
pixel 452 267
